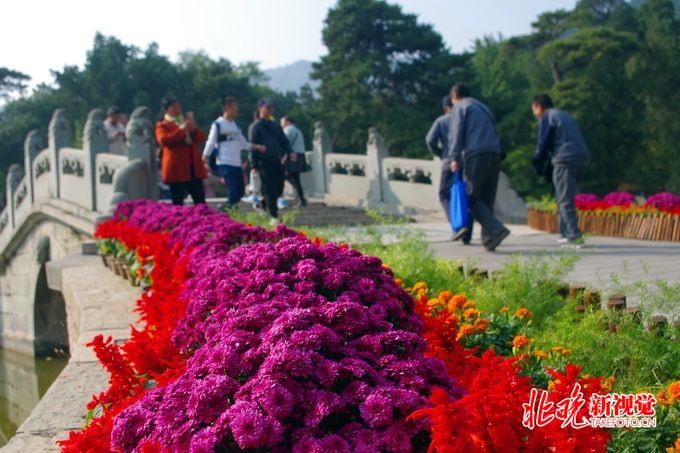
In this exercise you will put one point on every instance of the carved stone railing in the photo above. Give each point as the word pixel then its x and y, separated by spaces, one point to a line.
pixel 390 183
pixel 89 179
pixel 107 165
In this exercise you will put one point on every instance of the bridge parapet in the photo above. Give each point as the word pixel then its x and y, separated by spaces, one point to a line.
pixel 374 179
pixel 85 178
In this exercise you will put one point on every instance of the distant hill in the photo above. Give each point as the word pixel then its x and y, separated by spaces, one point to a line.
pixel 291 77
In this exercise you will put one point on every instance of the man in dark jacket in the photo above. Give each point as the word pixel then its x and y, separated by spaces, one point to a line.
pixel 560 140
pixel 475 149
pixel 269 163
pixel 437 140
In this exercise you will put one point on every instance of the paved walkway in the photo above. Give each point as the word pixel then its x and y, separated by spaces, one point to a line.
pixel 598 259
pixel 604 263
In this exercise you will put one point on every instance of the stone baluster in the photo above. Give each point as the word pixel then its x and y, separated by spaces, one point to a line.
pixel 59 136
pixel 14 175
pixel 322 146
pixel 375 153
pixel 32 146
pixel 95 141
pixel 141 144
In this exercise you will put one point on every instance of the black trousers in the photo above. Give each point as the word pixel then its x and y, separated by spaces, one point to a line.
pixel 481 176
pixel 294 179
pixel 179 190
pixel 273 177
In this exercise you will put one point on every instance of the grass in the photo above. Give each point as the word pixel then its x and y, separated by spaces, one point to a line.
pixel 637 358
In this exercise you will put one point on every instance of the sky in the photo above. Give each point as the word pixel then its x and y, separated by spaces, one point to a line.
pixel 40 35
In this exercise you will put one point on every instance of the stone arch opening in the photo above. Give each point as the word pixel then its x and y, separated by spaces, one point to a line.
pixel 49 313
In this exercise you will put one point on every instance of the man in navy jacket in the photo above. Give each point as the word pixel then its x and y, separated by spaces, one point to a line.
pixel 270 162
pixel 560 140
pixel 475 149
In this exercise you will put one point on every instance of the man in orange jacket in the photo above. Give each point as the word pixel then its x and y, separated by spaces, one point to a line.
pixel 182 167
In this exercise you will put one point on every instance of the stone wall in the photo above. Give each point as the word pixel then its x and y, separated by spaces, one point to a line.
pixel 96 302
pixel 376 180
pixel 29 319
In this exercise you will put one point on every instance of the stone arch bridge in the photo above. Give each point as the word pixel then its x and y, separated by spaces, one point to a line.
pixel 55 199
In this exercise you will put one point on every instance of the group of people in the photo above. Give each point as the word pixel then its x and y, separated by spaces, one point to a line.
pixel 466 139
pixel 276 152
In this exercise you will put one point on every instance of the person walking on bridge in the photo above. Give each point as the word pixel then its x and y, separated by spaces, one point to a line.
pixel 270 163
pixel 181 165
pixel 227 139
pixel 475 149
pixel 297 163
pixel 560 140
pixel 437 140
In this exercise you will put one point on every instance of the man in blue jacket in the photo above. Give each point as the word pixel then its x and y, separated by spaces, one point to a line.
pixel 475 149
pixel 560 140
pixel 437 140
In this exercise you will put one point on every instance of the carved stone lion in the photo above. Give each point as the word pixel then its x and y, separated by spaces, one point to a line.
pixel 33 144
pixel 94 126
pixel 139 129
pixel 59 130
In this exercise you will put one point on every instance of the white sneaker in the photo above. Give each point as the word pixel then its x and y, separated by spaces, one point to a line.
pixel 562 240
pixel 274 221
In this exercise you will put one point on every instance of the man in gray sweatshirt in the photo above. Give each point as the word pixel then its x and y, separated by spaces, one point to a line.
pixel 475 149
pixel 437 141
pixel 560 140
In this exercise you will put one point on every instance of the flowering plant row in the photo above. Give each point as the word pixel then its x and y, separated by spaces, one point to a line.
pixel 624 202
pixel 266 340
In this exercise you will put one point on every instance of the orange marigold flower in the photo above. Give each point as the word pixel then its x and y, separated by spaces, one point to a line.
pixel 398 281
pixel 557 349
pixel 551 386
pixel 674 390
pixel 677 444
pixel 471 313
pixel 445 296
pixel 520 341
pixel 482 324
pixel 523 313
pixel 457 302
pixel 420 286
pixel 541 354
pixel 465 331
pixel 432 302
pixel 608 383
pixel 504 310
pixel 469 304
pixel 662 398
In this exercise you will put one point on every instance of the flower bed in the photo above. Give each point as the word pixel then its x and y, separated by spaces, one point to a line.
pixel 617 215
pixel 270 341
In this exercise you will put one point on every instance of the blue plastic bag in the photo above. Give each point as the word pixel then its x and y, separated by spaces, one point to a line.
pixel 458 207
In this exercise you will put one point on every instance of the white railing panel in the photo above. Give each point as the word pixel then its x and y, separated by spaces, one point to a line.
pixel 346 175
pixel 72 176
pixel 41 176
pixel 106 166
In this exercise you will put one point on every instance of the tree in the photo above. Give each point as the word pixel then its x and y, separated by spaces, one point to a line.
pixel 597 91
pixel 383 69
pixel 12 81
pixel 656 73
